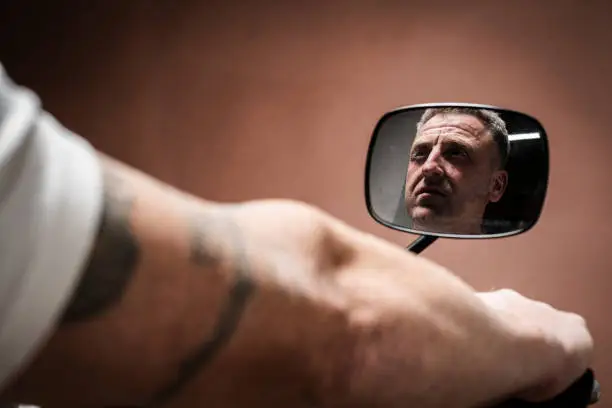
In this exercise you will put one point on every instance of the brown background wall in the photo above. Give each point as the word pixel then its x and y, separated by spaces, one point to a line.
pixel 236 100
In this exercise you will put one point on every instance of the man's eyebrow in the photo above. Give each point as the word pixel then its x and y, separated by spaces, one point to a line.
pixel 419 144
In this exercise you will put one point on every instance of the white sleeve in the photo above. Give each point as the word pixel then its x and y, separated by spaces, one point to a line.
pixel 50 205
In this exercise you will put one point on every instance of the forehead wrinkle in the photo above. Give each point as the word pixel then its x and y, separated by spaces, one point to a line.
pixel 457 121
pixel 447 133
pixel 452 127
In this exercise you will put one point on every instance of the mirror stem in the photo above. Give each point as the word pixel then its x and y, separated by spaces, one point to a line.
pixel 418 245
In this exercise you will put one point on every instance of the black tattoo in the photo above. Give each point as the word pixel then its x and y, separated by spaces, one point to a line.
pixel 113 259
pixel 230 315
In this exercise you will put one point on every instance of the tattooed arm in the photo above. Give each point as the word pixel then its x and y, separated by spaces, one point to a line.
pixel 272 303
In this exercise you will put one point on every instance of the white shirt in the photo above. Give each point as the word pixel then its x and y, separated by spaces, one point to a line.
pixel 50 205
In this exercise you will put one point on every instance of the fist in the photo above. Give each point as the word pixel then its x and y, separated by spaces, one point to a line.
pixel 567 345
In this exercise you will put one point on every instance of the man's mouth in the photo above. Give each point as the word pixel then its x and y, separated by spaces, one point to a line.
pixel 431 191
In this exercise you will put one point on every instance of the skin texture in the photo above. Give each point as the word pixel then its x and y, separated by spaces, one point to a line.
pixel 453 173
pixel 189 303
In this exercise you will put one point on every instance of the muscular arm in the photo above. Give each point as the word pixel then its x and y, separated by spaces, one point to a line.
pixel 188 302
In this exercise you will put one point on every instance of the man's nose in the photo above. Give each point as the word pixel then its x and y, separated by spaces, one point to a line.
pixel 432 166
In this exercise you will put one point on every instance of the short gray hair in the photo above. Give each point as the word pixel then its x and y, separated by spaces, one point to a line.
pixel 492 121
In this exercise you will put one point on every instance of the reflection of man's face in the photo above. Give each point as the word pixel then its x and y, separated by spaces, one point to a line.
pixel 453 173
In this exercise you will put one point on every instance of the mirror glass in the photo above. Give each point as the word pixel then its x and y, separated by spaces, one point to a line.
pixel 457 170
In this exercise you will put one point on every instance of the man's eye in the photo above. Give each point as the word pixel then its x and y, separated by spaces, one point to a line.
pixel 418 155
pixel 455 152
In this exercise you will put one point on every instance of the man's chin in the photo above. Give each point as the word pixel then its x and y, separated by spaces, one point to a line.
pixel 424 214
pixel 428 220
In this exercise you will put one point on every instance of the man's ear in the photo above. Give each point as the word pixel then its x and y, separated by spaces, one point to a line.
pixel 499 182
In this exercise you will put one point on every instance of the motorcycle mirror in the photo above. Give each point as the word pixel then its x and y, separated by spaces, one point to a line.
pixel 457 170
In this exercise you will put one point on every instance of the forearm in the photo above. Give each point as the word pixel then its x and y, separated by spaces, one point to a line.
pixel 441 346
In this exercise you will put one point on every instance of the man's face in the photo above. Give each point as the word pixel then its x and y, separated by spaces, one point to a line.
pixel 453 172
